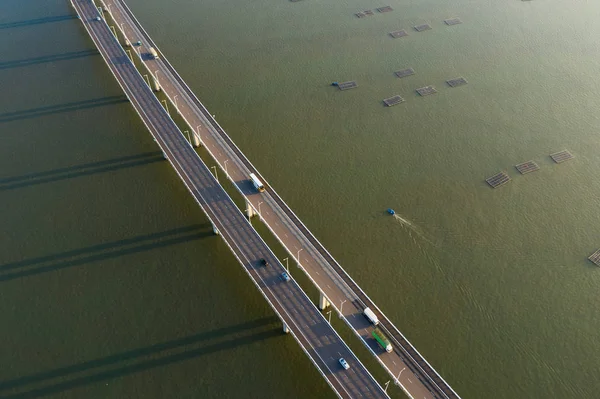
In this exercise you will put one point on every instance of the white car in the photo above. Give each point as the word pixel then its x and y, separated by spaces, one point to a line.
pixel 344 363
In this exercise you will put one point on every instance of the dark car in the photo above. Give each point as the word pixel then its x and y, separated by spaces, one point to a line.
pixel 264 262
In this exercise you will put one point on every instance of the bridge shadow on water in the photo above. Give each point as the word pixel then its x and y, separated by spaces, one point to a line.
pixel 99 252
pixel 138 360
pixel 48 58
pixel 60 108
pixel 37 21
pixel 109 165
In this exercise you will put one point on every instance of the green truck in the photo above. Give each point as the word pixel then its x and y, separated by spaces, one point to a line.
pixel 382 340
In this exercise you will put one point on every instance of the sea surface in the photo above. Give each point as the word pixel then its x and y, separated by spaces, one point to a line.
pixel 112 284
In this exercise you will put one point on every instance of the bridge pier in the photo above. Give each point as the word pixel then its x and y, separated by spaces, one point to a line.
pixel 249 210
pixel 323 302
pixel 286 329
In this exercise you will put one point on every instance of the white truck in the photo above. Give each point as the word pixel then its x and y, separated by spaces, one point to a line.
pixel 153 52
pixel 371 316
pixel 257 183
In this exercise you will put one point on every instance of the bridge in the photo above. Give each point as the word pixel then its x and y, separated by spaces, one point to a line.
pixel 407 367
pixel 300 317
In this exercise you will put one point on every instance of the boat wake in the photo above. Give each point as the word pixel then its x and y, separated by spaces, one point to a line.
pixel 414 231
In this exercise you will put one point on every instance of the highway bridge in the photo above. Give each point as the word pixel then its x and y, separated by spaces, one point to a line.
pixel 300 316
pixel 405 364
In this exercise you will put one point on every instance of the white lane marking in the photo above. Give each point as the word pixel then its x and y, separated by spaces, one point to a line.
pixel 409 380
pixel 394 363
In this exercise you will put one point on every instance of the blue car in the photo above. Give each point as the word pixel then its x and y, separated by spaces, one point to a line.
pixel 285 277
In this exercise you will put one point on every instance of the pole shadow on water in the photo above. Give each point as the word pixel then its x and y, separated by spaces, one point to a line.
pixel 48 58
pixel 109 165
pixel 110 250
pixel 141 359
pixel 37 21
pixel 60 108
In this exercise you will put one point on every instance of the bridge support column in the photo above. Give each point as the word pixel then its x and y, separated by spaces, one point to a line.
pixel 195 139
pixel 249 209
pixel 323 302
pixel 286 329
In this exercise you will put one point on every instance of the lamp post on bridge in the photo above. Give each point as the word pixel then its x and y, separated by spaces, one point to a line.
pixel 398 378
pixel 259 216
pixel 342 307
pixel 166 105
pixel 386 384
pixel 329 313
pixel 287 264
pixel 298 256
pixel 225 166
pixel 198 130
pixel 216 175
pixel 123 30
pixel 175 101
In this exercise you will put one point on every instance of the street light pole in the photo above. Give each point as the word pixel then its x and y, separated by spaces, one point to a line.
pixel 225 166
pixel 329 313
pixel 287 264
pixel 386 385
pixel 166 106
pixel 298 256
pixel 198 130
pixel 216 175
pixel 398 378
pixel 259 216
pixel 175 101
pixel 342 307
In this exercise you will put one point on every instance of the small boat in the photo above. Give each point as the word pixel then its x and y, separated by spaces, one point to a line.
pixel 391 211
pixel 334 84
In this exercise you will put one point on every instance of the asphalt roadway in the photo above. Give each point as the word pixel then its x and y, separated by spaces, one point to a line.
pixel 316 337
pixel 407 367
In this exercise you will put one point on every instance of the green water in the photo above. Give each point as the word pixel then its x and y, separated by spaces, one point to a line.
pixel 113 286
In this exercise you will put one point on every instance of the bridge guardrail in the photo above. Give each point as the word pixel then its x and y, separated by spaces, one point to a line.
pixel 448 392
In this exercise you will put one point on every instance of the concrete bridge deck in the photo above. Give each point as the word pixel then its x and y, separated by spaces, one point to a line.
pixel 405 364
pixel 316 337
